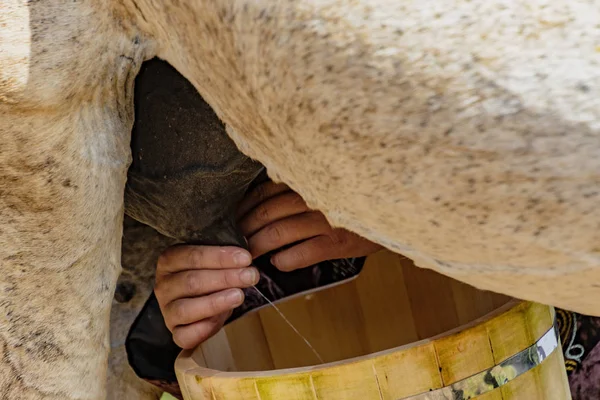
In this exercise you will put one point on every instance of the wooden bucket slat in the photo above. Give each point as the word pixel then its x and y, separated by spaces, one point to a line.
pixel 357 328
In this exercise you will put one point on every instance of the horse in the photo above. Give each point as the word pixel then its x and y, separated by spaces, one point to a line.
pixel 463 135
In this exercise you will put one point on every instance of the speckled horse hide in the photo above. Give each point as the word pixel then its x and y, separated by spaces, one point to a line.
pixel 464 135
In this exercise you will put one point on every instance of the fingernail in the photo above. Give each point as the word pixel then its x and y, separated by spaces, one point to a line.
pixel 242 258
pixel 234 297
pixel 249 276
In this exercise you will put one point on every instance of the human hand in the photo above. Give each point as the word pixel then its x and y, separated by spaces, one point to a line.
pixel 197 287
pixel 272 216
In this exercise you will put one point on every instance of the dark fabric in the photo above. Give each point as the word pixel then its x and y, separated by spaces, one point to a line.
pixel 150 348
pixel 186 176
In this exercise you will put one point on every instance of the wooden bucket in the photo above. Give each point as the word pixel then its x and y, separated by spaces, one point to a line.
pixel 395 332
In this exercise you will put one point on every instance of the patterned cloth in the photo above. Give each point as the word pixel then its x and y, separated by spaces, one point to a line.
pixel 276 285
pixel 580 336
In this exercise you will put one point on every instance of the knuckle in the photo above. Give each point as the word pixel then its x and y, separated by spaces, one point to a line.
pixel 213 305
pixel 159 290
pixel 195 256
pixel 261 191
pixel 274 233
pixel 301 257
pixel 178 313
pixel 170 327
pixel 230 278
pixel 223 260
pixel 262 213
pixel 169 320
pixel 162 260
pixel 339 238
pixel 193 283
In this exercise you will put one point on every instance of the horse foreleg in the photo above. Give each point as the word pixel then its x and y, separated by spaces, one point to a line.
pixel 66 111
pixel 62 178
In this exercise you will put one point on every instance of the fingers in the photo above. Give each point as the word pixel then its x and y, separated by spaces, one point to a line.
pixel 191 310
pixel 258 195
pixel 190 336
pixel 287 231
pixel 275 208
pixel 307 253
pixel 193 283
pixel 338 243
pixel 181 258
pixel 197 287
